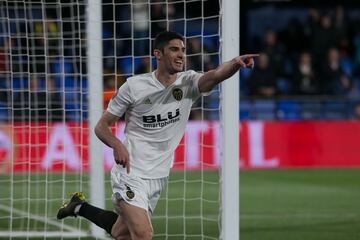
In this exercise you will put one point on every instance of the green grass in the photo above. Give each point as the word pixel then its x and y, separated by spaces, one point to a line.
pixel 300 204
pixel 274 204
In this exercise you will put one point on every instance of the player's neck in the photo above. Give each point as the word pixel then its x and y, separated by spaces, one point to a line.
pixel 164 77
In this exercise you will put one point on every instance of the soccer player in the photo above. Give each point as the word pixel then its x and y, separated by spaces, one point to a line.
pixel 156 107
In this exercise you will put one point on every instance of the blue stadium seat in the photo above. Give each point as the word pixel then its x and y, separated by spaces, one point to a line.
pixel 72 107
pixel 20 83
pixel 245 110
pixel 211 43
pixel 4 112
pixel 126 65
pixel 311 110
pixel 283 85
pixel 335 110
pixel 264 109
pixel 73 115
pixel 210 26
pixel 137 61
pixel 288 110
pixel 41 83
pixel 84 84
pixel 63 70
pixel 212 110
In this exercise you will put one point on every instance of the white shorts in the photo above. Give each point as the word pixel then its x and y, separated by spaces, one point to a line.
pixel 136 191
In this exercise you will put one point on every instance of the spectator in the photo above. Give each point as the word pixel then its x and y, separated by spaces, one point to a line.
pixel 5 83
pixel 275 52
pixel 141 27
pixel 144 66
pixel 341 24
pixel 356 42
pixel 160 13
pixel 112 82
pixel 293 37
pixel 357 111
pixel 4 56
pixel 333 79
pixel 51 32
pixel 42 105
pixel 305 78
pixel 262 80
pixel 323 38
pixel 194 54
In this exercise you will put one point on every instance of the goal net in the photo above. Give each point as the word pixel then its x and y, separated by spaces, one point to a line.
pixel 45 109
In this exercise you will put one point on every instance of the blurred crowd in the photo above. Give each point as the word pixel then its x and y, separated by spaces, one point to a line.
pixel 315 55
pixel 43 52
pixel 43 56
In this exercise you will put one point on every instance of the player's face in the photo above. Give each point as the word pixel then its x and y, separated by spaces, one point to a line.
pixel 174 56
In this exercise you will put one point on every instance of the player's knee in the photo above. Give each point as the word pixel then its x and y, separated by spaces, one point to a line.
pixel 122 237
pixel 119 230
pixel 144 234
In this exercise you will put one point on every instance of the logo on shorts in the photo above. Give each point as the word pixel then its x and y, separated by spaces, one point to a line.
pixel 129 193
pixel 177 93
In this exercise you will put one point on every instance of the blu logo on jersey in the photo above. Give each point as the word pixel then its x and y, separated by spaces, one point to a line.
pixel 159 118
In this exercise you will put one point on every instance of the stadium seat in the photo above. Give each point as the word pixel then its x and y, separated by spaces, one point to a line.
pixel 4 112
pixel 63 71
pixel 20 83
pixel 84 84
pixel 264 109
pixel 211 43
pixel 41 84
pixel 194 27
pixel 210 26
pixel 335 110
pixel 126 65
pixel 288 110
pixel 283 85
pixel 73 107
pixel 73 115
pixel 311 110
pixel 212 105
pixel 245 109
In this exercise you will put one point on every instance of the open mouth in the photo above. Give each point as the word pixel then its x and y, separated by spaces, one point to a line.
pixel 179 63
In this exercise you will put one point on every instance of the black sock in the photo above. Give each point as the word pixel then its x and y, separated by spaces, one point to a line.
pixel 103 218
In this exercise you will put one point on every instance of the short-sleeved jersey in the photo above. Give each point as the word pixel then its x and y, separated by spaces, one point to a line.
pixel 156 118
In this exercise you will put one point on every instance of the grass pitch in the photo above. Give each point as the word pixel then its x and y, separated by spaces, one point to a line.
pixel 300 204
pixel 274 204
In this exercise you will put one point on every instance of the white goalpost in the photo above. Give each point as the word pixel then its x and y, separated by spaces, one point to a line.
pixel 95 73
pixel 60 63
pixel 230 187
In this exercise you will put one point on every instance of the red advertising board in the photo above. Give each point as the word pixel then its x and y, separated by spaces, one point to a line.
pixel 58 146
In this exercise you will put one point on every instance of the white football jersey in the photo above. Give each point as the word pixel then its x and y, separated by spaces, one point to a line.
pixel 156 118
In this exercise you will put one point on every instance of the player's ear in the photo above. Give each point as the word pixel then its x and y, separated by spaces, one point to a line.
pixel 157 54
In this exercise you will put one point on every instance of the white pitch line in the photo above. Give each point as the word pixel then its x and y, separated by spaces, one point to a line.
pixel 263 215
pixel 52 234
pixel 39 218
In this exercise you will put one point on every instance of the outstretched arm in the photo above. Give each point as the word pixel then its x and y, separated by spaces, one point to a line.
pixel 103 132
pixel 213 77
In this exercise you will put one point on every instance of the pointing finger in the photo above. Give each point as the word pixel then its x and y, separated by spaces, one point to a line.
pixel 251 55
pixel 241 62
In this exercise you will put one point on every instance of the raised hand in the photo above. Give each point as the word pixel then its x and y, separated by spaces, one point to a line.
pixel 247 60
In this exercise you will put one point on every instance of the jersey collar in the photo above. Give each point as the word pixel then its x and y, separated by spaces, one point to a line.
pixel 159 84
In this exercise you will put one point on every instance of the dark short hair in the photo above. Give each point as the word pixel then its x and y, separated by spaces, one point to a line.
pixel 163 38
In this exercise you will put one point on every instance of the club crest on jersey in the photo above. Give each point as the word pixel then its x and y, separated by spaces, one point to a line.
pixel 178 94
pixel 129 193
pixel 147 101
